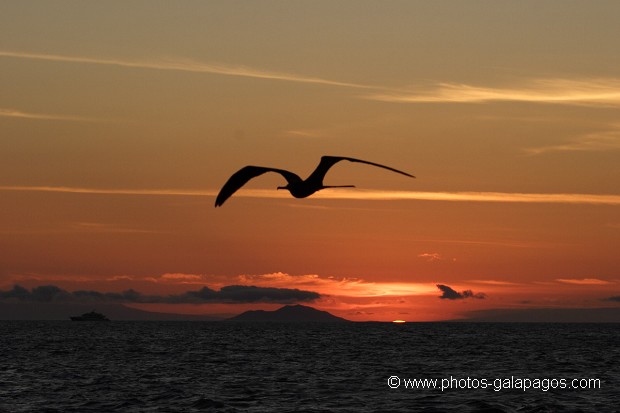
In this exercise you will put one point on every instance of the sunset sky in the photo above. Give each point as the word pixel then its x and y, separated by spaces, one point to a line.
pixel 121 120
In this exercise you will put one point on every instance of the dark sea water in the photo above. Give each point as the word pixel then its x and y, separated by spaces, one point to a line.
pixel 57 366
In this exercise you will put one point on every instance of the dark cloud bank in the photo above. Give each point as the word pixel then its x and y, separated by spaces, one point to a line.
pixel 450 294
pixel 227 294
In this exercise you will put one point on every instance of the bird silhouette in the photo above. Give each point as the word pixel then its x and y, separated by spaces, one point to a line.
pixel 298 187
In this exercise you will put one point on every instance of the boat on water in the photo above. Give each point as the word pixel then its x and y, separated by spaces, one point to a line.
pixel 92 316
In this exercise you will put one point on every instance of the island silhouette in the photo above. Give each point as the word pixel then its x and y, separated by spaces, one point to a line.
pixel 289 314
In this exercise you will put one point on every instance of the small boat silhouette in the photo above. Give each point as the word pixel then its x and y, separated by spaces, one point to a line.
pixel 92 316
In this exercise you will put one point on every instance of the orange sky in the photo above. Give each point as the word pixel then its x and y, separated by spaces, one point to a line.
pixel 119 124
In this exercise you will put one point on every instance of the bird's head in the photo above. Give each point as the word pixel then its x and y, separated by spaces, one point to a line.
pixel 285 187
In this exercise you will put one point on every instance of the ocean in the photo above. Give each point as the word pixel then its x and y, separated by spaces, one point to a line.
pixel 123 366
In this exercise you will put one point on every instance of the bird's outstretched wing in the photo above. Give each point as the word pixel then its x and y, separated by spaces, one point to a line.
pixel 243 175
pixel 329 161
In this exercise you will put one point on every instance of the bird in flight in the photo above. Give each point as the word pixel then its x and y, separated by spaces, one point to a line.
pixel 298 187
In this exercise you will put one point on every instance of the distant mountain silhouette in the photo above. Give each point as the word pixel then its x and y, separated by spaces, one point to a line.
pixel 289 314
pixel 115 312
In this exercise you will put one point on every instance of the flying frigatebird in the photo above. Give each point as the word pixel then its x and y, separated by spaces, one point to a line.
pixel 298 187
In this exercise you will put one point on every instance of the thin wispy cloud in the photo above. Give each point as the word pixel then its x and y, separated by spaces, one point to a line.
pixel 184 65
pixel 473 197
pixel 98 227
pixel 591 142
pixel 304 133
pixel 493 282
pixel 82 227
pixel 583 281
pixel 12 113
pixel 591 92
pixel 344 194
pixel 110 191
pixel 431 256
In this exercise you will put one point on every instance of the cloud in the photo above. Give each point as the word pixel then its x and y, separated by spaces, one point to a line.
pixel 111 191
pixel 344 194
pixel 43 293
pixel 583 281
pixel 615 298
pixel 227 294
pixel 83 227
pixel 493 282
pixel 347 286
pixel 590 92
pixel 247 294
pixel 180 277
pixel 12 113
pixel 184 65
pixel 430 256
pixel 471 196
pixel 450 294
pixel 100 227
pixel 304 133
pixel 324 286
pixel 596 141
